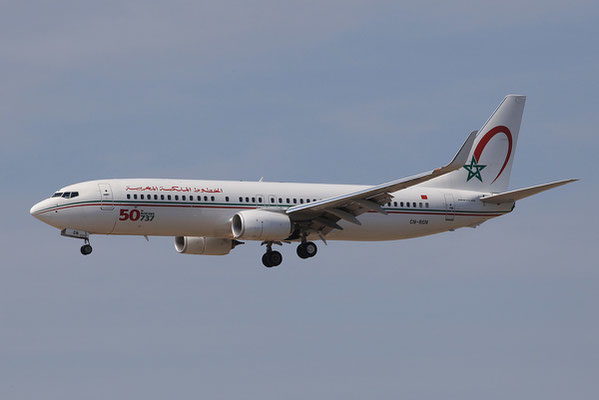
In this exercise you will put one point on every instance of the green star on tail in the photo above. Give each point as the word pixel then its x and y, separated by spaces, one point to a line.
pixel 474 170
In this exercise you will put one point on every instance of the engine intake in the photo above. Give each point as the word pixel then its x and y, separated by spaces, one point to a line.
pixel 260 225
pixel 204 245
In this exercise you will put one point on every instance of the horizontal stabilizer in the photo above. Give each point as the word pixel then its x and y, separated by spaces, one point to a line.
pixel 513 195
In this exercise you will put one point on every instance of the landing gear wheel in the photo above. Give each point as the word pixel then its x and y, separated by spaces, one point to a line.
pixel 275 258
pixel 266 261
pixel 272 259
pixel 301 251
pixel 310 249
pixel 86 249
pixel 307 250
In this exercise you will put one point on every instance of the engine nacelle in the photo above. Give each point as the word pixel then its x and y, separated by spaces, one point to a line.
pixel 204 245
pixel 260 225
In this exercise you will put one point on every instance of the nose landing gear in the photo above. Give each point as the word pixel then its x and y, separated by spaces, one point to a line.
pixel 86 249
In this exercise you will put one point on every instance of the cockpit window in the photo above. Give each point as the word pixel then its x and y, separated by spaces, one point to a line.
pixel 66 195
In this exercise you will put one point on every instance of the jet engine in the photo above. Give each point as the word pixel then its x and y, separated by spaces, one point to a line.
pixel 260 225
pixel 204 245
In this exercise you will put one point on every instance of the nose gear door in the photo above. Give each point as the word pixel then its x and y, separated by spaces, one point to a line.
pixel 106 198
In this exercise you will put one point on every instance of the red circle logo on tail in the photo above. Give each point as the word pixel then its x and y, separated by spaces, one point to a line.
pixel 487 137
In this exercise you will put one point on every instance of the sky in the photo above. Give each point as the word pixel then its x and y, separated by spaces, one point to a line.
pixel 312 91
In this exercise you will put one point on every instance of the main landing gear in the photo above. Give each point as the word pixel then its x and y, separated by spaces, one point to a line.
pixel 307 250
pixel 271 258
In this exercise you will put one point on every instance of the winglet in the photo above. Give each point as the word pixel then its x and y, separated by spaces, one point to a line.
pixel 461 157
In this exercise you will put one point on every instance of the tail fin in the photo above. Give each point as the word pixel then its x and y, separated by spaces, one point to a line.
pixel 490 160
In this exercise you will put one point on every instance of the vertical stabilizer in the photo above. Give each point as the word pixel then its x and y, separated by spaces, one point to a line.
pixel 490 161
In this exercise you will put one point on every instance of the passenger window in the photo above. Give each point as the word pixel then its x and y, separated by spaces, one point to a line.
pixel 401 203
pixel 161 197
pixel 205 198
pixel 247 199
pixel 155 197
pixel 183 197
pixel 301 201
pixel 414 204
pixel 407 204
pixel 280 200
pixel 128 196
pixel 272 199
pixel 227 199
pixel 253 199
pixel 260 200
pixel 294 201
pixel 135 196
pixel 395 203
pixel 288 200
pixel 426 205
pixel 307 200
pixel 176 197
pixel 212 198
pixel 420 204
pixel 168 196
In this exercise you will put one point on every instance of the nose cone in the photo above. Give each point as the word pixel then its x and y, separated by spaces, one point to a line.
pixel 43 211
pixel 35 210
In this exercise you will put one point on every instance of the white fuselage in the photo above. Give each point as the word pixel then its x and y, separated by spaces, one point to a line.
pixel 175 207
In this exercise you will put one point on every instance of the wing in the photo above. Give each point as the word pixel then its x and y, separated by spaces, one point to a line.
pixel 322 215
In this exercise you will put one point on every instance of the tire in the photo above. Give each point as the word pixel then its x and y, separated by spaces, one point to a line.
pixel 86 249
pixel 266 260
pixel 275 258
pixel 310 249
pixel 301 251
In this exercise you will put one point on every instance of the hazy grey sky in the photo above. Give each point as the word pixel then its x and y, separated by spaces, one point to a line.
pixel 339 91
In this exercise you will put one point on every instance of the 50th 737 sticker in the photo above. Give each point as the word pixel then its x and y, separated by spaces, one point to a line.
pixel 135 215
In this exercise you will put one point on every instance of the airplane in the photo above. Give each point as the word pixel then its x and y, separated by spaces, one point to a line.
pixel 213 217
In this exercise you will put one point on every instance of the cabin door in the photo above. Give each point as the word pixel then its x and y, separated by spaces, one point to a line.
pixel 449 207
pixel 106 198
